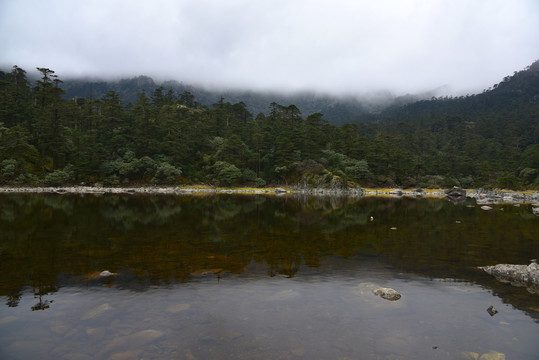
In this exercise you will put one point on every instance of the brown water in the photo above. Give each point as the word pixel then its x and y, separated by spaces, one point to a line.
pixel 255 277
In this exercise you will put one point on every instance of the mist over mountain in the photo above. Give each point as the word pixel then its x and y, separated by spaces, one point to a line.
pixel 337 110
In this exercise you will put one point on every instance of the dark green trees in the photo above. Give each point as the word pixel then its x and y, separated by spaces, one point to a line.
pixel 483 140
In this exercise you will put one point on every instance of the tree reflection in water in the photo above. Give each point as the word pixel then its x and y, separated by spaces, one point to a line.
pixel 50 241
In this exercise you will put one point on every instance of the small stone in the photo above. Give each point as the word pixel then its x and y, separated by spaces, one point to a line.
pixel 393 228
pixel 486 207
pixel 492 355
pixel 387 293
pixel 492 311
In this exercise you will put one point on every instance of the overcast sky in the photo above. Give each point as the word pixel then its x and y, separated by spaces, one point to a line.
pixel 328 46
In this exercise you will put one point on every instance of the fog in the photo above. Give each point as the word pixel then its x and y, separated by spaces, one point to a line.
pixel 337 47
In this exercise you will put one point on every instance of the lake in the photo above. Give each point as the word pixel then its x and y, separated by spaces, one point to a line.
pixel 262 277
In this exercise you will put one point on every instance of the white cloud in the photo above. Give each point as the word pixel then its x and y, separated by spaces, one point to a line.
pixel 336 46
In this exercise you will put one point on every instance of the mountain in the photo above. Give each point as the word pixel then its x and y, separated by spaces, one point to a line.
pixel 487 139
pixel 337 110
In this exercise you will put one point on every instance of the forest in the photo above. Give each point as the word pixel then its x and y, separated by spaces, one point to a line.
pixel 168 138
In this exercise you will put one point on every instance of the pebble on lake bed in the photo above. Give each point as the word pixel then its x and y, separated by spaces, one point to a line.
pixel 387 293
pixel 492 311
pixel 491 355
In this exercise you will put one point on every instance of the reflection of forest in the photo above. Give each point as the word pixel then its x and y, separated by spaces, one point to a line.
pixel 53 240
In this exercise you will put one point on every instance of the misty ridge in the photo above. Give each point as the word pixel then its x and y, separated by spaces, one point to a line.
pixel 56 132
pixel 337 109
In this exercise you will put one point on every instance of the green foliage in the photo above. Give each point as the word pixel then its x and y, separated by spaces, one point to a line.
pixel 529 176
pixel 482 140
pixel 8 170
pixel 166 174
pixel 249 175
pixel 59 177
pixel 509 181
pixel 226 173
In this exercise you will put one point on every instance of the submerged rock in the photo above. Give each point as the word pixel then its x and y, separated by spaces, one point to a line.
pixel 121 345
pixel 486 207
pixel 96 311
pixel 491 355
pixel 387 293
pixel 517 275
pixel 492 310
pixel 179 307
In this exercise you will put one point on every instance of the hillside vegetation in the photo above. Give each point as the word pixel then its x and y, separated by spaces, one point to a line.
pixel 166 137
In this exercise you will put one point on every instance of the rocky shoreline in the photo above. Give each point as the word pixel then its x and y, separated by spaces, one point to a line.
pixel 482 196
pixel 517 275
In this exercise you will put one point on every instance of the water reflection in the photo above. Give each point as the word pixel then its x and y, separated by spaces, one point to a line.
pixel 258 277
pixel 49 240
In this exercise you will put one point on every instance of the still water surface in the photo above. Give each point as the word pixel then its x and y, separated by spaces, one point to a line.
pixel 261 277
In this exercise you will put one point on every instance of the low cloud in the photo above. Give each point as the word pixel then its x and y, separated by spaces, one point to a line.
pixel 326 46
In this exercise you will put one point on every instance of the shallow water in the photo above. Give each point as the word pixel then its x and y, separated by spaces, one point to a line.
pixel 255 277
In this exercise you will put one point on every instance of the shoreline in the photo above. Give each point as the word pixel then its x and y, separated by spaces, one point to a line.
pixel 482 196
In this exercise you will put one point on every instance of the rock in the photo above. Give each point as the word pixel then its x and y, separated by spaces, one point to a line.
pixel 393 228
pixel 517 275
pixel 96 311
pixel 106 273
pixel 279 190
pixel 492 311
pixel 535 211
pixel 456 193
pixel 122 344
pixel 387 293
pixel 492 355
pixel 486 207
pixel 397 192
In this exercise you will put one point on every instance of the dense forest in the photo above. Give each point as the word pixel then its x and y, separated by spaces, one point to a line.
pixel 165 137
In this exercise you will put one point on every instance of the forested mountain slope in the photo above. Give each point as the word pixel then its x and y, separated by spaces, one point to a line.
pixel 337 110
pixel 171 137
